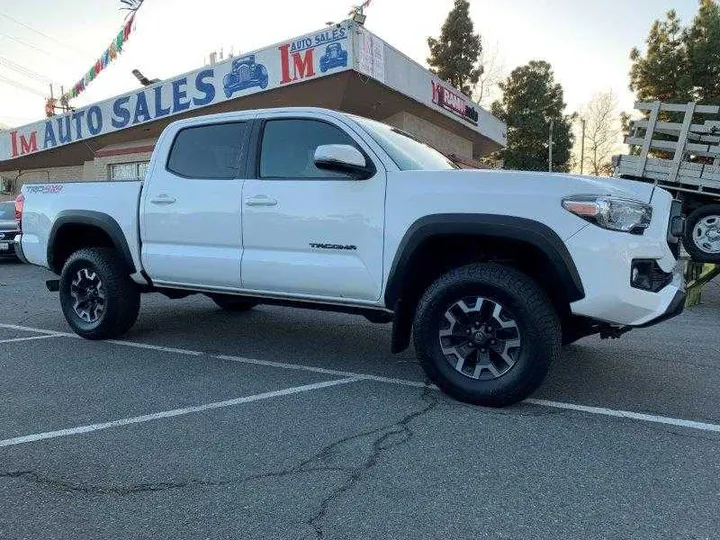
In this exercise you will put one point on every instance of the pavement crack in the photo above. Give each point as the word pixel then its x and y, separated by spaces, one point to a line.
pixel 386 437
pixel 74 487
pixel 65 486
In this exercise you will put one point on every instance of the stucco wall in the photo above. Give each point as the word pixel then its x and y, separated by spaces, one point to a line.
pixel 440 138
pixel 41 176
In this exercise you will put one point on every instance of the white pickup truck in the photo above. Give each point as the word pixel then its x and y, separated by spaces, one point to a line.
pixel 491 272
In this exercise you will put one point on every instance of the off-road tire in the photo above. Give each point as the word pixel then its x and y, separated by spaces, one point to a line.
pixel 537 323
pixel 122 295
pixel 229 302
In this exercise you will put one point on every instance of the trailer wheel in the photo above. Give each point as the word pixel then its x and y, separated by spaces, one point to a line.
pixel 702 234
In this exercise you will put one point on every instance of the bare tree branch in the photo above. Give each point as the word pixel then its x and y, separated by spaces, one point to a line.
pixel 602 133
pixel 494 72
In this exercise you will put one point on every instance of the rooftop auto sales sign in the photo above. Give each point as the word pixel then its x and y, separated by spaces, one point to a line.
pixel 312 55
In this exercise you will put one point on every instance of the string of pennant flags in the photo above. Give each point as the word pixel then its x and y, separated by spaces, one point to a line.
pixel 110 54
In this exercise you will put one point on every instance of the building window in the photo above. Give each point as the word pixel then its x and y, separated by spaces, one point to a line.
pixel 128 171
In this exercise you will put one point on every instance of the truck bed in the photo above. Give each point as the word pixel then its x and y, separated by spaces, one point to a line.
pixel 46 203
pixel 679 156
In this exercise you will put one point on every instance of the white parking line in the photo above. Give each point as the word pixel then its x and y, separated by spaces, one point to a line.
pixel 601 411
pixel 15 340
pixel 37 330
pixel 690 424
pixel 172 413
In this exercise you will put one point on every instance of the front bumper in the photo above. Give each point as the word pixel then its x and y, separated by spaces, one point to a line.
pixel 18 248
pixel 676 307
pixel 604 261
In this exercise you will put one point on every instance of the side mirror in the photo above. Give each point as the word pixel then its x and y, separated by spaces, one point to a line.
pixel 342 158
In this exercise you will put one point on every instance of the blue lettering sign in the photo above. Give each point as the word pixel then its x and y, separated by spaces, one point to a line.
pixel 180 101
pixel 78 116
pixel 205 86
pixel 159 111
pixel 142 114
pixel 121 113
pixel 301 44
pixel 95 120
pixel 50 140
pixel 64 134
pixel 326 37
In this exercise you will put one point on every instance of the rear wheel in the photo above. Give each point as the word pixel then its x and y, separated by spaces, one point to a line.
pixel 232 303
pixel 98 298
pixel 702 234
pixel 486 334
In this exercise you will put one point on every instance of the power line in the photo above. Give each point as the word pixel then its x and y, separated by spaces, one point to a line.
pixel 21 86
pixel 24 71
pixel 34 47
pixel 38 32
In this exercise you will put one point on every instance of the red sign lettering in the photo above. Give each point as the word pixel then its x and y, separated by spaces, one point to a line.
pixel 303 64
pixel 27 145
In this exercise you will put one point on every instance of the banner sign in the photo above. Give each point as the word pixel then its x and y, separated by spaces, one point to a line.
pixel 455 102
pixel 313 55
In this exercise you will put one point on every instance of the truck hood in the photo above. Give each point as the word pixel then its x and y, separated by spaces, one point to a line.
pixel 560 185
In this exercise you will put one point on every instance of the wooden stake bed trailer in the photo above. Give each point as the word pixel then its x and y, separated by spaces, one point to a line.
pixel 684 158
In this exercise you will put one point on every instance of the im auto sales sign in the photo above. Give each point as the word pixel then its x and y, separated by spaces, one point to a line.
pixel 313 55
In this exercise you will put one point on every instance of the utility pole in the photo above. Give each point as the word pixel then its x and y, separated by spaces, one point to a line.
pixel 550 146
pixel 582 146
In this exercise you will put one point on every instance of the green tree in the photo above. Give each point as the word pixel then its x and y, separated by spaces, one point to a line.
pixel 531 100
pixel 662 74
pixel 703 49
pixel 454 56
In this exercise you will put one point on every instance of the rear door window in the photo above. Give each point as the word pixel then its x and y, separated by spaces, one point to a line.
pixel 214 151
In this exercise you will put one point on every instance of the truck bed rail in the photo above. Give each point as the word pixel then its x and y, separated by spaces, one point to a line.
pixel 684 156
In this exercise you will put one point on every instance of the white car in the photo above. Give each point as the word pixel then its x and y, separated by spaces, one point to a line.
pixel 491 272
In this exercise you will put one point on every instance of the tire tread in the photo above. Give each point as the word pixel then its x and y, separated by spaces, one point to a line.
pixel 122 311
pixel 534 300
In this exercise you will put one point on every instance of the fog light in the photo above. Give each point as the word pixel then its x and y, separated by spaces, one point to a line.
pixel 648 276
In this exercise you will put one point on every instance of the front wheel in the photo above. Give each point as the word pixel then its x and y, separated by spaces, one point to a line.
pixel 486 334
pixel 98 298
pixel 702 234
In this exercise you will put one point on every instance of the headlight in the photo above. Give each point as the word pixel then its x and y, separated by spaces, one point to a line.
pixel 614 213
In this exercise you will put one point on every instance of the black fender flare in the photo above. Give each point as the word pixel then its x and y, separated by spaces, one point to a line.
pixel 513 228
pixel 91 218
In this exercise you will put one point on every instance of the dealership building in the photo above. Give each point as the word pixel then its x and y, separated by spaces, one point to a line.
pixel 343 67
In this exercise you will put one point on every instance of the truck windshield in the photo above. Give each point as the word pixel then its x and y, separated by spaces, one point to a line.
pixel 408 153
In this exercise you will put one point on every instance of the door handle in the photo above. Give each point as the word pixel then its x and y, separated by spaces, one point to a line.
pixel 163 199
pixel 260 200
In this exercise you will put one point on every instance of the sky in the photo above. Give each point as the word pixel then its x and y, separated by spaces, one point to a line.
pixel 586 41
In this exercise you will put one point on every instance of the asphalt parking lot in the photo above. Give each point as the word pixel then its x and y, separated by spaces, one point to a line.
pixel 295 424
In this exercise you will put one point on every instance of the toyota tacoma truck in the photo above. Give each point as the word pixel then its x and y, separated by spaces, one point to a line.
pixel 489 272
